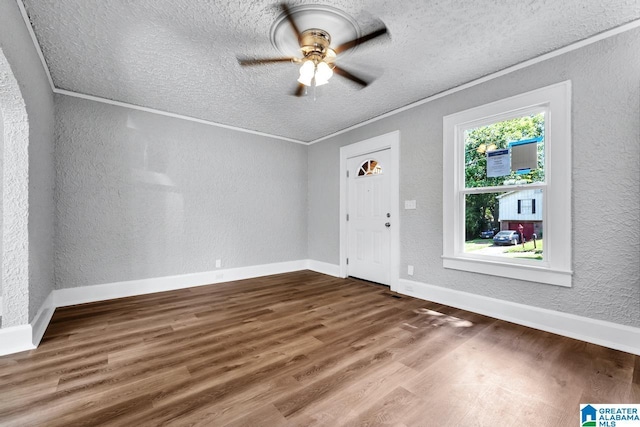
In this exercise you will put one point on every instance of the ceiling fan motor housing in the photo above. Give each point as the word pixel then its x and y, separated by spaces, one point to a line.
pixel 314 44
pixel 318 58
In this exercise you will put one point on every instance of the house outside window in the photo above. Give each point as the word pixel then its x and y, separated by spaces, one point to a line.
pixel 522 207
pixel 526 206
pixel 507 167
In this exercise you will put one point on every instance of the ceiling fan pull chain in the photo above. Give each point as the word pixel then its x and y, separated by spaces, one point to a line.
pixel 313 84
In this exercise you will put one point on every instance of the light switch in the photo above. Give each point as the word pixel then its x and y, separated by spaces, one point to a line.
pixel 410 270
pixel 409 204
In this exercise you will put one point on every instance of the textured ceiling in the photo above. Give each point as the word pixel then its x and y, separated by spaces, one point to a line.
pixel 180 56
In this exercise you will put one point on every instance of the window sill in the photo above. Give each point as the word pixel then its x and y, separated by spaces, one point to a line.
pixel 529 273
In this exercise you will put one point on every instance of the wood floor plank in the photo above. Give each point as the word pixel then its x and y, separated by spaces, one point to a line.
pixel 266 415
pixel 634 389
pixel 354 399
pixel 302 349
pixel 389 410
pixel 184 399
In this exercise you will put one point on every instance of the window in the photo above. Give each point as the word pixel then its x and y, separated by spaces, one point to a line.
pixel 526 206
pixel 507 187
pixel 369 167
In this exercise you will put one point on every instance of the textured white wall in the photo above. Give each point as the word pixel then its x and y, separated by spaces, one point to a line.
pixel 1 197
pixel 38 154
pixel 606 183
pixel 15 243
pixel 140 195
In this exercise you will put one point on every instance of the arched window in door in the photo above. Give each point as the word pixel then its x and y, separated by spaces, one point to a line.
pixel 369 167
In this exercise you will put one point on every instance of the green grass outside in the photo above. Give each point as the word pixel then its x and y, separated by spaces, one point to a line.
pixel 475 244
pixel 536 257
pixel 528 252
pixel 517 251
pixel 528 247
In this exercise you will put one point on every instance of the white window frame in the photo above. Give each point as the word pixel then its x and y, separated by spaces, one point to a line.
pixel 555 269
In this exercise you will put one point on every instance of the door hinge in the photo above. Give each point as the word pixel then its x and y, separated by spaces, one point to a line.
pixel 347 261
pixel 347 174
pixel 347 217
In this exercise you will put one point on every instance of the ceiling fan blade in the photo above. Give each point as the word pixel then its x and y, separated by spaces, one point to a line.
pixel 300 90
pixel 344 73
pixel 360 40
pixel 287 12
pixel 262 61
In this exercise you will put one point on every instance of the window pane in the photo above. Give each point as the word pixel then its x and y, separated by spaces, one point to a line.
pixel 505 153
pixel 369 167
pixel 494 221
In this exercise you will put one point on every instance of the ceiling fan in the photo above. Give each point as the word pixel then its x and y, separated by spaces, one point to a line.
pixel 318 61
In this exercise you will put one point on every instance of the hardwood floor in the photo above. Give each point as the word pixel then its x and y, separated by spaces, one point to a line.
pixel 302 349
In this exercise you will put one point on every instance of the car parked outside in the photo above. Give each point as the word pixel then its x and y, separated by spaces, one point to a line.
pixel 506 237
pixel 487 234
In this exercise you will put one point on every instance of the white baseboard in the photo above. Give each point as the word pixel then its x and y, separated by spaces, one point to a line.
pixel 15 339
pixel 27 337
pixel 607 334
pixel 323 267
pixel 85 294
pixel 626 338
pixel 43 317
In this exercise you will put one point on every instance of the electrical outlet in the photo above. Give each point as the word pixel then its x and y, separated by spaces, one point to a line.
pixel 409 204
pixel 410 270
pixel 218 263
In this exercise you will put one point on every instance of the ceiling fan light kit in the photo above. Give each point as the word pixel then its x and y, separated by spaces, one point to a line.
pixel 317 65
pixel 311 73
pixel 318 57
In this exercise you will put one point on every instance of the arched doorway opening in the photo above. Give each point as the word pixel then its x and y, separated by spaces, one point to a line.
pixel 1 198
pixel 14 185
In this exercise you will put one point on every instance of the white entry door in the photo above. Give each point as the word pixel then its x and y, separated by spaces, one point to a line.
pixel 369 216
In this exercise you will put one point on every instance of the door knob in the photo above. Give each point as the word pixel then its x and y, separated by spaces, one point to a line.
pixel 387 224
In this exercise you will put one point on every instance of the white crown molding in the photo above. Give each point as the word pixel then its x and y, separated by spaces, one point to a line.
pixel 607 334
pixel 25 18
pixel 174 115
pixel 54 89
pixel 561 51
pixel 577 45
